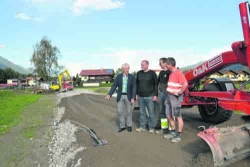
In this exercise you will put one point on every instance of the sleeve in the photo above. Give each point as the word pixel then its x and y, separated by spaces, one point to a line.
pixel 114 86
pixel 182 78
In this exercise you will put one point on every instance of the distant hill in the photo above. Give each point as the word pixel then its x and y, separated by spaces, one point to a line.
pixel 4 63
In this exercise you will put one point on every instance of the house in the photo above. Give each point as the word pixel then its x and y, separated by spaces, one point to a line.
pixel 230 74
pixel 32 81
pixel 243 75
pixel 217 74
pixel 97 75
pixel 13 81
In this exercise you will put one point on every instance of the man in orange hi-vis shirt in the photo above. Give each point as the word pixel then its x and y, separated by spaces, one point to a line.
pixel 177 83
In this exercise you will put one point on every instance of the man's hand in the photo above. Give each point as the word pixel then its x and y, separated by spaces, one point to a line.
pixel 132 101
pixel 137 97
pixel 155 98
pixel 107 97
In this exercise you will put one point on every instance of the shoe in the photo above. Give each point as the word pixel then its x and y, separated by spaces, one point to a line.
pixel 159 132
pixel 140 130
pixel 170 135
pixel 151 131
pixel 157 127
pixel 176 139
pixel 121 129
pixel 129 129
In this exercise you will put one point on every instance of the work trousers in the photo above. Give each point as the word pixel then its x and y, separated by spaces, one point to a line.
pixel 124 110
pixel 161 102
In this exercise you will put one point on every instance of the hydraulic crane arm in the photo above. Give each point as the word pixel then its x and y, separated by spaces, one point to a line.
pixel 60 77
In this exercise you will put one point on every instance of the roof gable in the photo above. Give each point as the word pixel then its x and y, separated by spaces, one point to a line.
pixel 244 71
pixel 97 72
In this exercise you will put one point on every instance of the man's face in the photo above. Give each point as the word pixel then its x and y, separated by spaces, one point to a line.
pixel 162 65
pixel 169 66
pixel 144 65
pixel 126 70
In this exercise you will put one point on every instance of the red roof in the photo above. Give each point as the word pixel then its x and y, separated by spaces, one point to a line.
pixel 97 72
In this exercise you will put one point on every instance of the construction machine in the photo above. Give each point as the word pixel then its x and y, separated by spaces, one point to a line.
pixel 62 85
pixel 218 98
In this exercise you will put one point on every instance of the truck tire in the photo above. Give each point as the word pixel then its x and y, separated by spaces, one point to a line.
pixel 214 113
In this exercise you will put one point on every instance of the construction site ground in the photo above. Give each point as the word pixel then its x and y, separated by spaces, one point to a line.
pixel 62 141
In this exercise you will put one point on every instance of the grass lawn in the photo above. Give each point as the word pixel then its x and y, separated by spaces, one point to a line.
pixel 12 105
pixel 89 88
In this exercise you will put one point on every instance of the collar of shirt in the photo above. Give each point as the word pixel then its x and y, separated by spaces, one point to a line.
pixel 125 75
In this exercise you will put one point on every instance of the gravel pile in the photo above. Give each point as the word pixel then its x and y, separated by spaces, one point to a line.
pixel 63 148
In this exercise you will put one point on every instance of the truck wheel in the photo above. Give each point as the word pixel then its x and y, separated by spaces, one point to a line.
pixel 214 113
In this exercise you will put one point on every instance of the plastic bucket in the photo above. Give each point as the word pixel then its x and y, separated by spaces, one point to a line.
pixel 164 123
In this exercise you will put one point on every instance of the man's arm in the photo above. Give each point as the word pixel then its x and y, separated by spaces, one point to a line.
pixel 114 86
pixel 183 81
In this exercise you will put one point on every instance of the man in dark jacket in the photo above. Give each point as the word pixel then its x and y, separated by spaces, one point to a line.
pixel 162 85
pixel 126 96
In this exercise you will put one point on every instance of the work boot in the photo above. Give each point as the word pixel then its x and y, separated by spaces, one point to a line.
pixel 170 135
pixel 177 138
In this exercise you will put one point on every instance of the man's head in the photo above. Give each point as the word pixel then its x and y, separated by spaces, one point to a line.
pixel 125 68
pixel 171 63
pixel 144 65
pixel 163 62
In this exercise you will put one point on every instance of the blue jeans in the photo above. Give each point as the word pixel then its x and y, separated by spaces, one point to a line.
pixel 146 102
pixel 161 100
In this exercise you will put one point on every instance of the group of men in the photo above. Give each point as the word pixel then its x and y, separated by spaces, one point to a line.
pixel 148 89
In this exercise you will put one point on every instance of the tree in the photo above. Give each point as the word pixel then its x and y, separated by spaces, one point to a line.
pixel 45 58
pixel 118 71
pixel 78 80
pixel 134 73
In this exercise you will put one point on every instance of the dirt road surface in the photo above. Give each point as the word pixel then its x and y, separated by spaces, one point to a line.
pixel 123 149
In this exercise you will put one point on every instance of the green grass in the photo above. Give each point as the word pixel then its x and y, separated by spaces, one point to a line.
pixel 29 132
pixel 106 84
pixel 12 105
pixel 89 88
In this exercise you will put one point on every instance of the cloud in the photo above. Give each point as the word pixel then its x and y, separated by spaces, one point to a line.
pixel 99 5
pixel 115 58
pixel 1 46
pixel 23 16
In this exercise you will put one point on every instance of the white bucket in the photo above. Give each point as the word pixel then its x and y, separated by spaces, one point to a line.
pixel 164 123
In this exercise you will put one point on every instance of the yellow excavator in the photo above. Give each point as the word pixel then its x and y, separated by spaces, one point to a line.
pixel 62 85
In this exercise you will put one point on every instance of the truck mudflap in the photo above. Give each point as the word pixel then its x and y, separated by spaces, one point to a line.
pixel 228 145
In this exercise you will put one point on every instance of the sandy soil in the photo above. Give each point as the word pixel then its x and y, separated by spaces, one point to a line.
pixel 133 149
